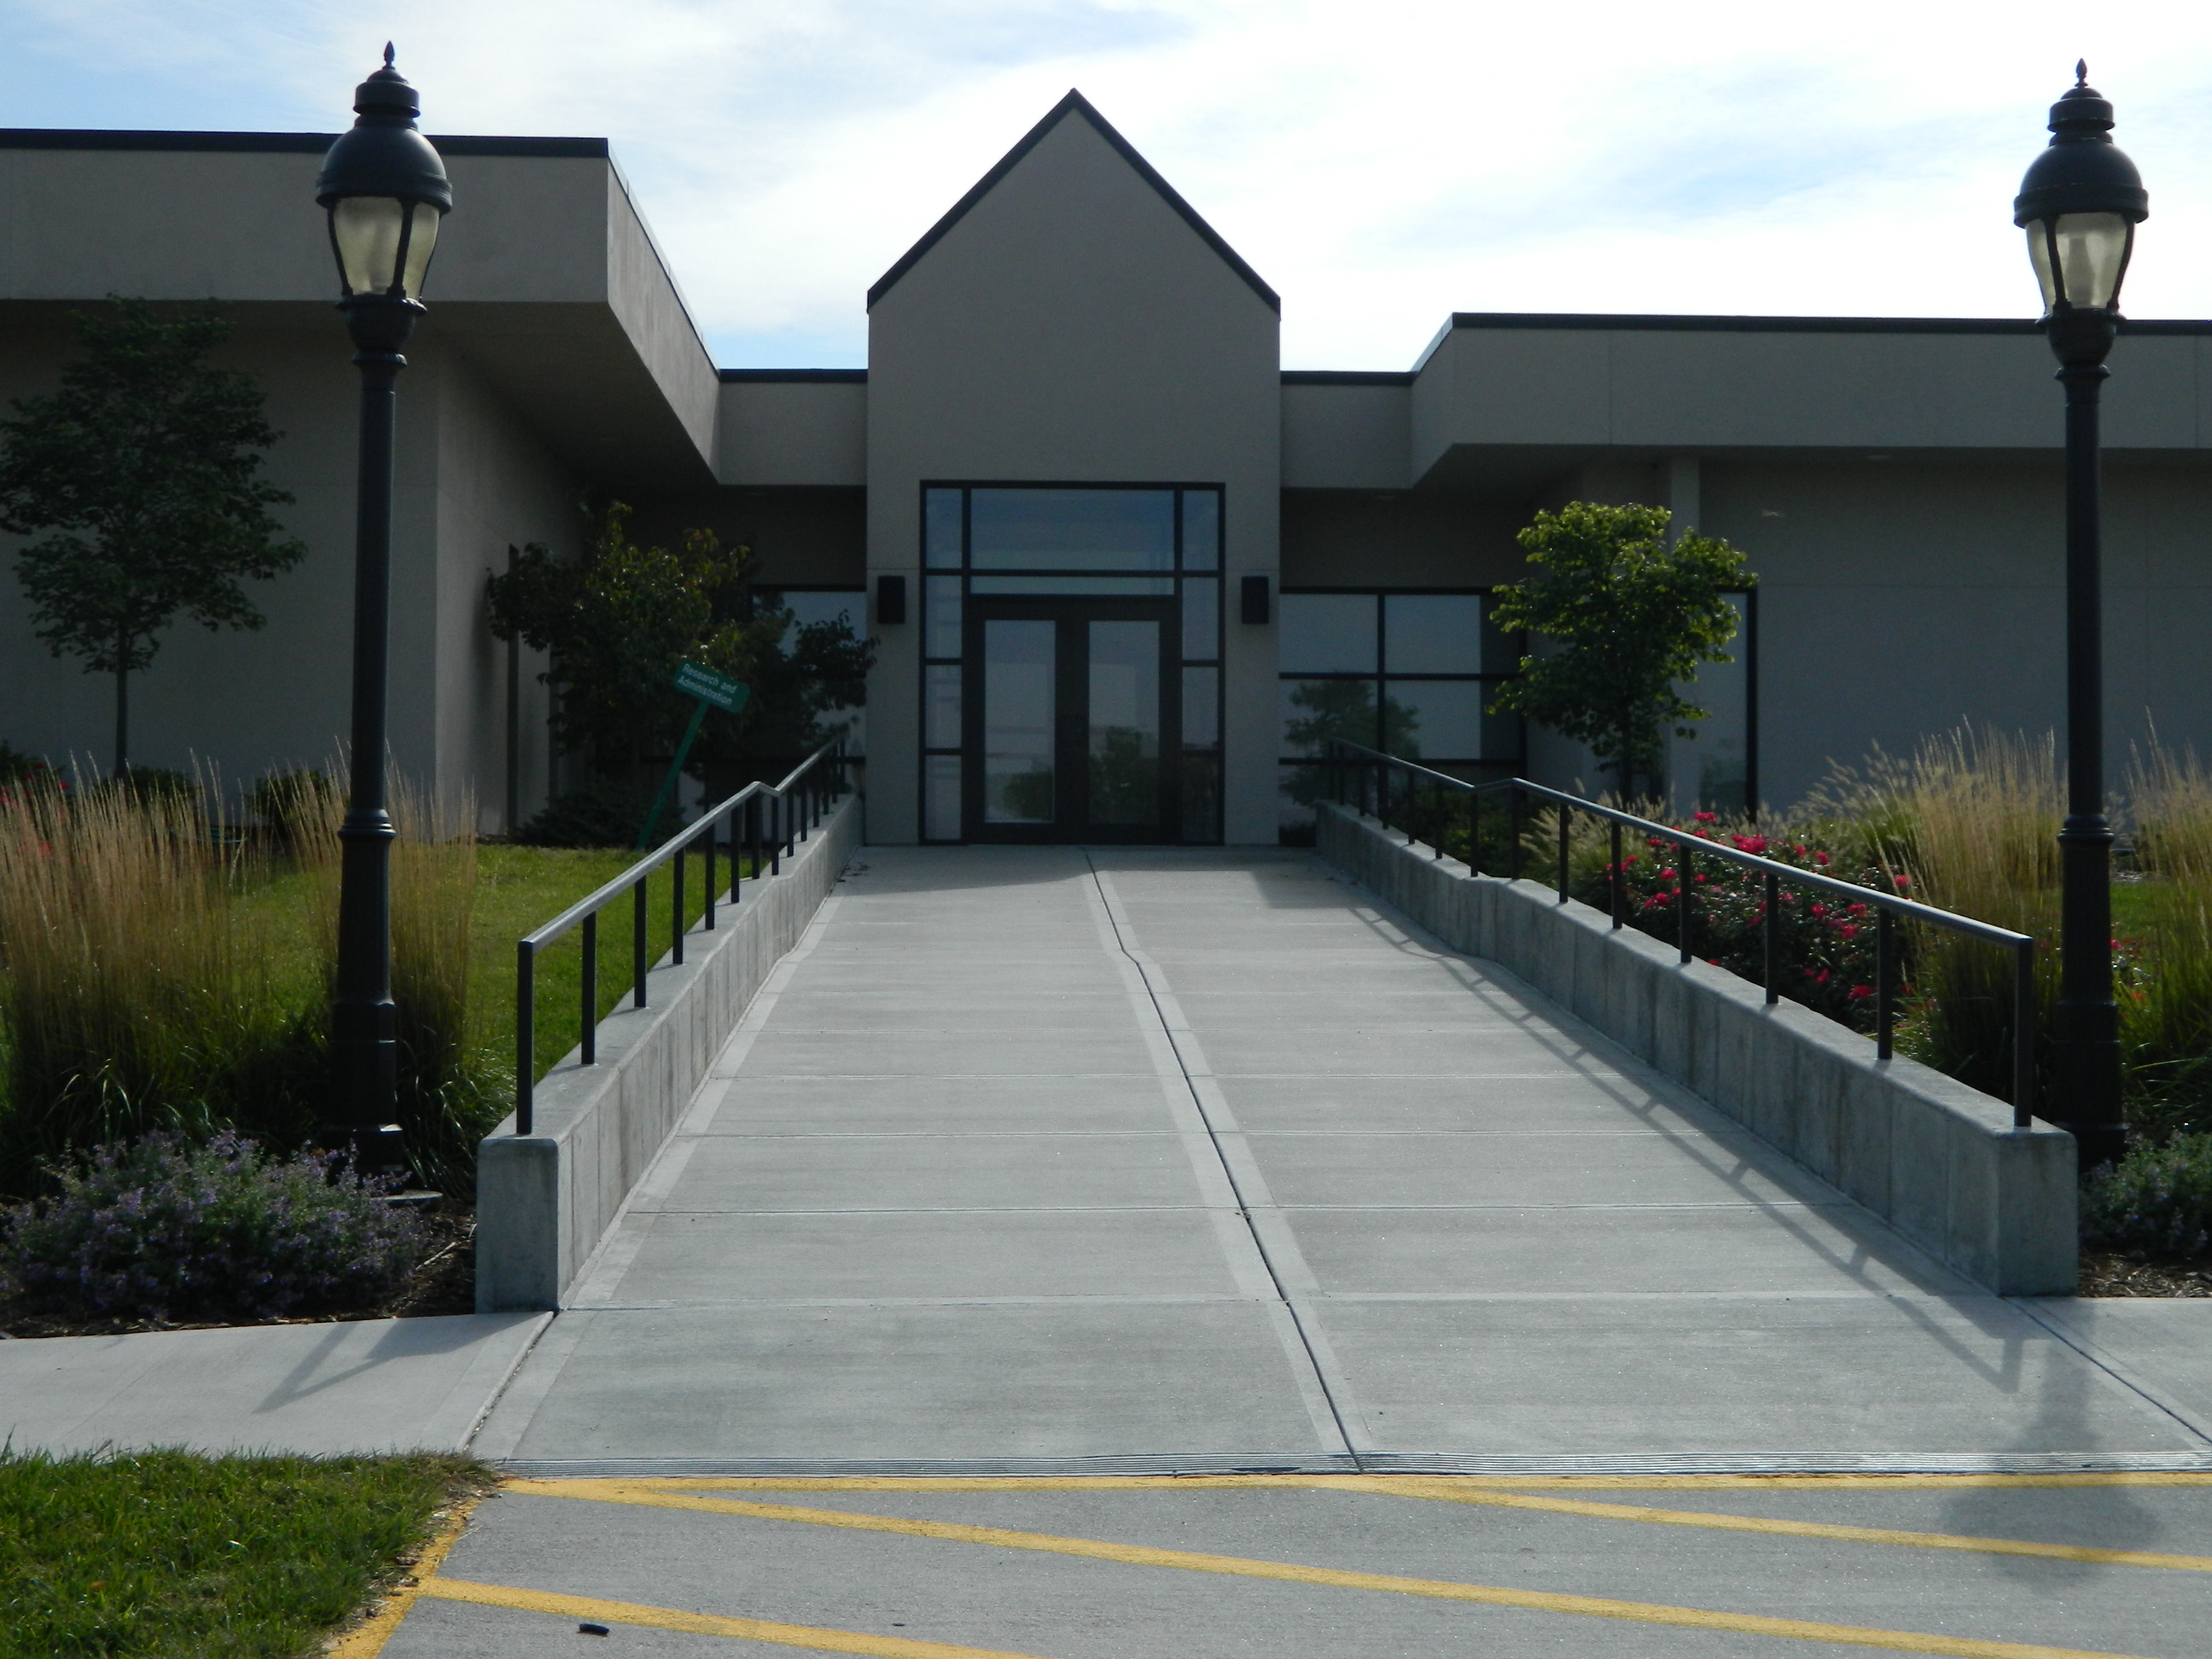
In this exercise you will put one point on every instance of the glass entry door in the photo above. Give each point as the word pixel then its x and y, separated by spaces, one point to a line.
pixel 1070 704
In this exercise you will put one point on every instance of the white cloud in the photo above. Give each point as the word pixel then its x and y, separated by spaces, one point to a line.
pixel 1380 165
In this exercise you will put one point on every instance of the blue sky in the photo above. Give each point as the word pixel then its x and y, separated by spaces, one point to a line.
pixel 1381 164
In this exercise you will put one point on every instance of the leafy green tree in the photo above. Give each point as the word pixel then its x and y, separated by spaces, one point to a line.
pixel 618 621
pixel 141 477
pixel 1631 617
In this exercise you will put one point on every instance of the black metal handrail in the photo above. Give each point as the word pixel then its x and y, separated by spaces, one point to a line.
pixel 777 817
pixel 1373 768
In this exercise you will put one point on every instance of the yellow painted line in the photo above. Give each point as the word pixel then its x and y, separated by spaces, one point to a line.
pixel 704 1624
pixel 367 1639
pixel 1459 1489
pixel 1647 1613
pixel 1354 1482
pixel 1924 1540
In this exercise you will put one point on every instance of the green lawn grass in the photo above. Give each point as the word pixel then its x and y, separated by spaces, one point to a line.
pixel 156 1554
pixel 2132 915
pixel 520 889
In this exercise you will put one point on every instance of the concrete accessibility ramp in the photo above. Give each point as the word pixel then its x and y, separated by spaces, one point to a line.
pixel 1037 1160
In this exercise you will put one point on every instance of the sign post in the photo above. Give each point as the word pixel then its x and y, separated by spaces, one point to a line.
pixel 708 687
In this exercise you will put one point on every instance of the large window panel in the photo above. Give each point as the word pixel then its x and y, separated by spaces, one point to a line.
pixel 940 709
pixel 1201 619
pixel 1097 587
pixel 1201 707
pixel 940 798
pixel 1712 772
pixel 1439 720
pixel 1202 530
pixel 1072 529
pixel 941 621
pixel 1433 633
pixel 1313 711
pixel 940 529
pixel 1328 634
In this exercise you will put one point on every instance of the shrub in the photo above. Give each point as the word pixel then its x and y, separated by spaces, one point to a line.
pixel 157 1231
pixel 1826 942
pixel 599 814
pixel 2157 1200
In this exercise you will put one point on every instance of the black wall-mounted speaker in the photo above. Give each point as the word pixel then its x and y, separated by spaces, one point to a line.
pixel 1255 600
pixel 890 601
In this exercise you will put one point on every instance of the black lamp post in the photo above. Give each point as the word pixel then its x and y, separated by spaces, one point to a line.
pixel 2080 202
pixel 386 191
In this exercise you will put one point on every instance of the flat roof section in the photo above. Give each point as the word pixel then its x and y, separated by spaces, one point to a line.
pixel 283 143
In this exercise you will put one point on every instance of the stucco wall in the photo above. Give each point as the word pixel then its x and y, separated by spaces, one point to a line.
pixel 249 702
pixel 1897 600
pixel 1074 328
pixel 812 431
pixel 469 480
pixel 496 487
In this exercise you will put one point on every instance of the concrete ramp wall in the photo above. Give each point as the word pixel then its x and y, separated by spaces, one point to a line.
pixel 1939 1161
pixel 544 1200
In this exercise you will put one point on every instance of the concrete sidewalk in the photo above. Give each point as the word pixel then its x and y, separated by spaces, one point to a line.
pixel 1031 1159
pixel 370 1385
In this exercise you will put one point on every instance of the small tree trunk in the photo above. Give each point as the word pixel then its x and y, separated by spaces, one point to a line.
pixel 122 704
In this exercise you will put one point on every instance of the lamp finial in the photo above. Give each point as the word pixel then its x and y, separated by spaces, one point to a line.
pixel 387 54
pixel 2081 69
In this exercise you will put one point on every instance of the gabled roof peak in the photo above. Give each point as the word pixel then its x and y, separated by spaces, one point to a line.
pixel 1075 104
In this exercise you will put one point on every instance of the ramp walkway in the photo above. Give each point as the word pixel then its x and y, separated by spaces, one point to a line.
pixel 1037 1160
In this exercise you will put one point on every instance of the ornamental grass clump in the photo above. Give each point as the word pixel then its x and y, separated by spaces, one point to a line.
pixel 136 992
pixel 450 1094
pixel 2166 991
pixel 2156 1202
pixel 160 1232
pixel 1969 824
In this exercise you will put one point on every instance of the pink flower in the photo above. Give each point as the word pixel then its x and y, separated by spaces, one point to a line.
pixel 1859 991
pixel 1706 817
pixel 1752 844
pixel 1849 930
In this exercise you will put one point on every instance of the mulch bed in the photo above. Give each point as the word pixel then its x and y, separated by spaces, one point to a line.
pixel 2105 1274
pixel 445 1283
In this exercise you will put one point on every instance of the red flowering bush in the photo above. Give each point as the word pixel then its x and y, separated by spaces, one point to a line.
pixel 1826 956
pixel 21 773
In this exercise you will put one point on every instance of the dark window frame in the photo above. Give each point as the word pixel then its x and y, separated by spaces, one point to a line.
pixel 1381 676
pixel 965 573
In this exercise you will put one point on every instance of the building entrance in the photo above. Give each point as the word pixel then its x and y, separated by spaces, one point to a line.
pixel 1070 703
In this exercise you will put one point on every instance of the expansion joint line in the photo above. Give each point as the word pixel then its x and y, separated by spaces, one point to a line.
pixel 1228 1168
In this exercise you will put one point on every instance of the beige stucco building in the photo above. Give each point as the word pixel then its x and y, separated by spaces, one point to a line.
pixel 1119 565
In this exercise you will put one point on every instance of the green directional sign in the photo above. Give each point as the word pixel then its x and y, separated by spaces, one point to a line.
pixel 724 693
pixel 704 684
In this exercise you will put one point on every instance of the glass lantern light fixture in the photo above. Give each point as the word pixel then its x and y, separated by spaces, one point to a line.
pixel 386 191
pixel 2080 205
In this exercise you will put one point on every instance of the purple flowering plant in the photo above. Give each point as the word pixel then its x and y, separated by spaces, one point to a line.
pixel 2157 1201
pixel 163 1232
